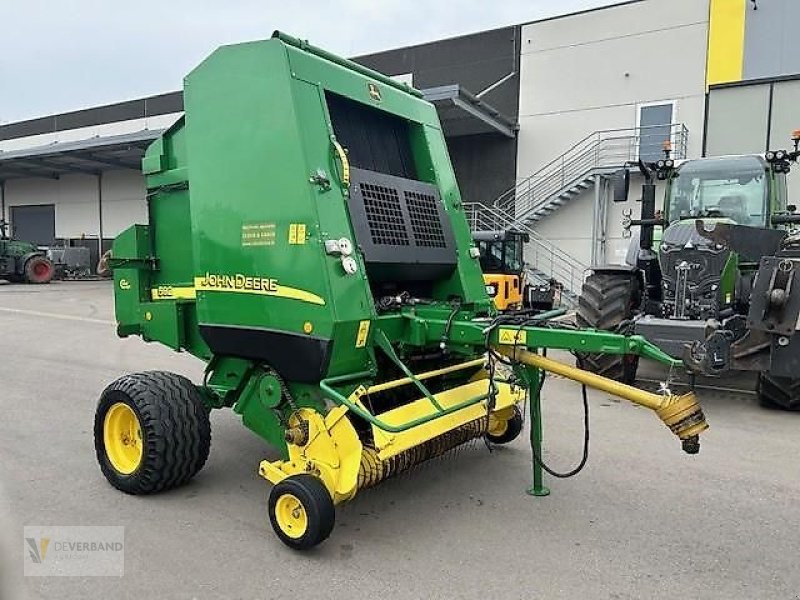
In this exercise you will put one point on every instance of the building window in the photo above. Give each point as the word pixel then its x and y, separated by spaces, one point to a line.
pixel 654 122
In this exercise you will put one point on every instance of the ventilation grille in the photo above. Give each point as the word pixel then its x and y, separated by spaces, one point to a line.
pixel 402 229
pixel 425 223
pixel 384 215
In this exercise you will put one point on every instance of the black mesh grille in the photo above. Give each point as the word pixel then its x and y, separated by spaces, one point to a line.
pixel 425 222
pixel 384 215
pixel 402 229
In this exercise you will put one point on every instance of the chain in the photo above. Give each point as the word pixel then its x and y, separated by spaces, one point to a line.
pixel 664 386
pixel 285 393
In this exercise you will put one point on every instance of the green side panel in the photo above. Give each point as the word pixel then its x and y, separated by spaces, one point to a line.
pixel 250 175
pixel 154 159
pixel 163 321
pixel 131 277
pixel 348 296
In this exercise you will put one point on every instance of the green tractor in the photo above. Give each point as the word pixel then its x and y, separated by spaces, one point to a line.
pixel 22 261
pixel 698 277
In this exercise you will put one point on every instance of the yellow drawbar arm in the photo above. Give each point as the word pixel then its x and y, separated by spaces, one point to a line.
pixel 682 414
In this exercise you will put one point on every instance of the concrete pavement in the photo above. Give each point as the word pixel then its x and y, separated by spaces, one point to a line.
pixel 642 521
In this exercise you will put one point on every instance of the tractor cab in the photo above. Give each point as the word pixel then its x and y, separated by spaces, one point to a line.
pixel 502 264
pixel 745 189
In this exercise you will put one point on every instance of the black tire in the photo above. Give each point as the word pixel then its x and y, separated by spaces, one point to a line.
pixel 175 431
pixel 511 432
pixel 608 299
pixel 316 503
pixel 39 269
pixel 778 392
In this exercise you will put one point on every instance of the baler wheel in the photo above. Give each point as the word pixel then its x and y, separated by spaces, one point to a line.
pixel 301 511
pixel 151 432
pixel 507 431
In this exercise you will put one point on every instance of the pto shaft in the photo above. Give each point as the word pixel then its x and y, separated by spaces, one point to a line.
pixel 682 414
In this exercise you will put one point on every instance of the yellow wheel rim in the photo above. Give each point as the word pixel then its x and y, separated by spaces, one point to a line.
pixel 497 427
pixel 122 436
pixel 291 516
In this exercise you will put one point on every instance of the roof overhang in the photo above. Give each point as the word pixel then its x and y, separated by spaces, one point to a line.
pixel 88 156
pixel 460 112
pixel 463 113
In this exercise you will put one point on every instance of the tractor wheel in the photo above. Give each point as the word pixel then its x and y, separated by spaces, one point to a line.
pixel 778 392
pixel 608 299
pixel 151 432
pixel 503 431
pixel 301 511
pixel 39 269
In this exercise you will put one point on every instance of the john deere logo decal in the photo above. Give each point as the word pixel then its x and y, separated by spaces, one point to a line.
pixel 374 92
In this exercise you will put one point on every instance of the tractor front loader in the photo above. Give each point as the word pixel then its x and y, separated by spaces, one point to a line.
pixel 306 240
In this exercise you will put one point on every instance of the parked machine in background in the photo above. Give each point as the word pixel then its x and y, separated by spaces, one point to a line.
pixel 70 261
pixel 502 265
pixel 711 278
pixel 508 282
pixel 22 262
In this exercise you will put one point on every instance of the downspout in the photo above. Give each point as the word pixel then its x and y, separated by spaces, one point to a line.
pixel 100 213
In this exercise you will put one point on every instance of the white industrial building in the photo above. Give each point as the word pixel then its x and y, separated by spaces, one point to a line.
pixel 537 116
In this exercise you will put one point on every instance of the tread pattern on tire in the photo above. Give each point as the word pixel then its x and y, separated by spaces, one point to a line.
pixel 606 301
pixel 175 426
pixel 778 392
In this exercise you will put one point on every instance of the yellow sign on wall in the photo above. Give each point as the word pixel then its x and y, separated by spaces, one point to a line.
pixel 725 59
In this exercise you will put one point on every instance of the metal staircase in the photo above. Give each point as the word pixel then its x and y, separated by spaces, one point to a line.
pixel 561 180
pixel 599 153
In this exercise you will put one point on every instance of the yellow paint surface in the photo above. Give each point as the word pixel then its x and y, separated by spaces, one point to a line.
pixel 725 41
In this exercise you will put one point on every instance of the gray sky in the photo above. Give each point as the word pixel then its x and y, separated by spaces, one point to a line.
pixel 60 55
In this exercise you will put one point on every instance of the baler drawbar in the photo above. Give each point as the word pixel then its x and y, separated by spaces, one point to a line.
pixel 306 240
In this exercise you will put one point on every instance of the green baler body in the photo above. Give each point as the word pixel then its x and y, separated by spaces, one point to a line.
pixel 243 193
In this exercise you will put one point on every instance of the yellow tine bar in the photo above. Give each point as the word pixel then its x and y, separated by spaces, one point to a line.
pixel 388 385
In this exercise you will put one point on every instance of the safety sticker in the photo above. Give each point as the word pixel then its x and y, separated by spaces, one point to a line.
pixel 297 233
pixel 363 332
pixel 513 336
